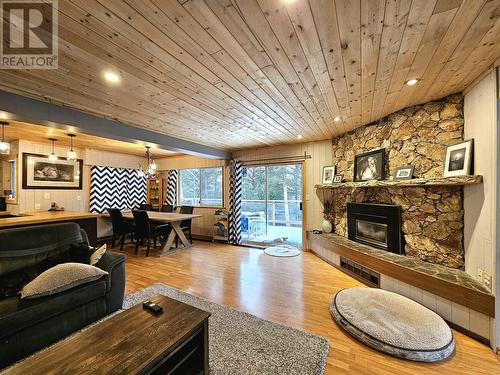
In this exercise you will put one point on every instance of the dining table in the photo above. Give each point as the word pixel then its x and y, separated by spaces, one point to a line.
pixel 172 218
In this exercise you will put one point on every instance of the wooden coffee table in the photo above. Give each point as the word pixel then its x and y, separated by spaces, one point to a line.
pixel 132 342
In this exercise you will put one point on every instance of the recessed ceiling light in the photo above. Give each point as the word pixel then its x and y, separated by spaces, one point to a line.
pixel 112 77
pixel 411 82
pixel 336 119
pixel 300 136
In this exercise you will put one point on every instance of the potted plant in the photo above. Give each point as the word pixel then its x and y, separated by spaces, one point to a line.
pixel 328 216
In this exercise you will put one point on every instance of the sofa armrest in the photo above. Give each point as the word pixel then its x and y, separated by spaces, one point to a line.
pixel 114 264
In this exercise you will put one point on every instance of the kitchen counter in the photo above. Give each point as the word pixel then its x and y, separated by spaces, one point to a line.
pixel 86 220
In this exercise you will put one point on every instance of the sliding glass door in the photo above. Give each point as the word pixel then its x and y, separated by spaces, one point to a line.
pixel 272 204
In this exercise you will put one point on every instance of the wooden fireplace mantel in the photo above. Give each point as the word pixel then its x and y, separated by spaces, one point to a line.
pixel 415 182
pixel 454 285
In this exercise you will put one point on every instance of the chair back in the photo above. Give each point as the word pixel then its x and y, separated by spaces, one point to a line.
pixel 146 207
pixel 188 210
pixel 142 226
pixel 167 208
pixel 117 221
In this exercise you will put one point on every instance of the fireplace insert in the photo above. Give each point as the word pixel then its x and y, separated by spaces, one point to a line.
pixel 376 225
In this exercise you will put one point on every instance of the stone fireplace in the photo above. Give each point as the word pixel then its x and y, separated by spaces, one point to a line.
pixel 376 225
pixel 431 216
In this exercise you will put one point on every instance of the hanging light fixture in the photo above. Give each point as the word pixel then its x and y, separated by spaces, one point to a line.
pixel 52 156
pixel 4 146
pixel 150 170
pixel 71 153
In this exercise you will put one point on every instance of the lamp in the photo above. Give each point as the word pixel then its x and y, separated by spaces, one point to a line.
pixel 150 170
pixel 71 153
pixel 52 156
pixel 4 146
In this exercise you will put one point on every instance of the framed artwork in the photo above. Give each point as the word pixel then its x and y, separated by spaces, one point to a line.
pixel 370 166
pixel 338 178
pixel 458 161
pixel 40 173
pixel 404 173
pixel 328 174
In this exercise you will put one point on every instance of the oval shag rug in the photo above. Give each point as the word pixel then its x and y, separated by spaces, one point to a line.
pixel 392 324
pixel 282 251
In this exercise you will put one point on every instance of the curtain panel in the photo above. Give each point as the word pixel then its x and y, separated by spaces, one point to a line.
pixel 115 188
pixel 235 191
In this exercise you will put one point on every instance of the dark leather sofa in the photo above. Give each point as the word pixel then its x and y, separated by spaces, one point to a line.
pixel 32 324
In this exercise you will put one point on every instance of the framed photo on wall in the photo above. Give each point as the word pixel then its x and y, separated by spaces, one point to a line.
pixel 458 161
pixel 404 173
pixel 328 174
pixel 370 166
pixel 40 173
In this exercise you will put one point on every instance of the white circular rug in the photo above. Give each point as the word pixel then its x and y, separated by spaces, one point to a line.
pixel 392 324
pixel 282 251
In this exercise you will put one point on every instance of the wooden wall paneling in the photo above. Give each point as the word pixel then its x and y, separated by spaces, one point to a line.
pixel 252 15
pixel 432 41
pixel 259 63
pixel 163 28
pixel 486 19
pixel 325 17
pixel 261 72
pixel 305 29
pixel 350 31
pixel 418 20
pixel 372 21
pixel 444 32
pixel 396 15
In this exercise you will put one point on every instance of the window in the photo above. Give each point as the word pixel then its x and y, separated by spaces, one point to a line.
pixel 200 187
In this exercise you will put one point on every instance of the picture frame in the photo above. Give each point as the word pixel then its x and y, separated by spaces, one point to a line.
pixel 404 172
pixel 370 166
pixel 328 174
pixel 338 178
pixel 459 159
pixel 40 173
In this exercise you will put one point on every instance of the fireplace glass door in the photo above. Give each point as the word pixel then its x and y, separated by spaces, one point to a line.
pixel 272 204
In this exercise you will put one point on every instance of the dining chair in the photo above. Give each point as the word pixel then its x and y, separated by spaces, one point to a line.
pixel 121 228
pixel 144 230
pixel 186 224
pixel 146 207
pixel 167 208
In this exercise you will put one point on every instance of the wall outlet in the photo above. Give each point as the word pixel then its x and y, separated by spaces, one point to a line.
pixel 37 206
pixel 78 197
pixel 487 280
pixel 480 274
pixel 46 195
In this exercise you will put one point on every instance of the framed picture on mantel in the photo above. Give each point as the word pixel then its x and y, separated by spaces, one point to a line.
pixel 459 159
pixel 370 166
pixel 40 173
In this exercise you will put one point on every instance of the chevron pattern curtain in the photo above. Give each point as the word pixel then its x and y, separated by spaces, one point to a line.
pixel 235 191
pixel 171 188
pixel 115 188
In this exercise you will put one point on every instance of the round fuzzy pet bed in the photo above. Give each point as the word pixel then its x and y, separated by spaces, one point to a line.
pixel 392 324
pixel 282 251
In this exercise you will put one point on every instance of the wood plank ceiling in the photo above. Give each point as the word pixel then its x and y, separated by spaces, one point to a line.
pixel 246 73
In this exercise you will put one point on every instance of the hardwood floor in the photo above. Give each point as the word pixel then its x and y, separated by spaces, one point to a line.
pixel 292 291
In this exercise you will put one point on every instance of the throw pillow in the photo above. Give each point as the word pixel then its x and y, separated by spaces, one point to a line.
pixel 97 255
pixel 61 277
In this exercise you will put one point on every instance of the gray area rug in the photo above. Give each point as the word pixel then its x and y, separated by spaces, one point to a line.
pixel 241 343
pixel 282 251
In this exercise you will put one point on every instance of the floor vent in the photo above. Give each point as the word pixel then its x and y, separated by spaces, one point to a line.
pixel 361 273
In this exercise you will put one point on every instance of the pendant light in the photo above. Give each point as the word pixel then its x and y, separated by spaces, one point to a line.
pixel 150 170
pixel 52 156
pixel 71 154
pixel 4 146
